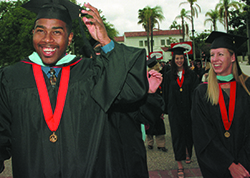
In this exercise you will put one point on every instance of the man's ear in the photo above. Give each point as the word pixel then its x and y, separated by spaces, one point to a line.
pixel 70 38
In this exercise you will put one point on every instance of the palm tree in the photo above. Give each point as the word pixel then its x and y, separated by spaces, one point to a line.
pixel 213 17
pixel 143 19
pixel 184 15
pixel 156 16
pixel 194 12
pixel 223 8
pixel 149 17
pixel 174 25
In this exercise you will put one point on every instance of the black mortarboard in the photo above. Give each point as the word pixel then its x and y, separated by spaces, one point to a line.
pixel 225 40
pixel 177 50
pixel 54 9
pixel 151 62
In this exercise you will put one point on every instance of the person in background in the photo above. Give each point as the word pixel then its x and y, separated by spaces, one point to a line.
pixel 204 76
pixel 198 69
pixel 220 112
pixel 56 108
pixel 158 128
pixel 192 66
pixel 179 84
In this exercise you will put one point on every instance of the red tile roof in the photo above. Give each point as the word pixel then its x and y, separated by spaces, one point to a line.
pixel 155 33
pixel 119 39
pixel 143 33
pixel 164 48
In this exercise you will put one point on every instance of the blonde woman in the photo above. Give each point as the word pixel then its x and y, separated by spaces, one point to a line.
pixel 220 113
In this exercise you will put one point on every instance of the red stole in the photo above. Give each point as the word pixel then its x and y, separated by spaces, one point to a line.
pixel 52 120
pixel 227 118
pixel 180 82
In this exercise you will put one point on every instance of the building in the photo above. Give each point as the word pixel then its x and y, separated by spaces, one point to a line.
pixel 162 40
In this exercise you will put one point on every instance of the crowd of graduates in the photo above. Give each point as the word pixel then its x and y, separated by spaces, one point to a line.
pixel 84 118
pixel 200 115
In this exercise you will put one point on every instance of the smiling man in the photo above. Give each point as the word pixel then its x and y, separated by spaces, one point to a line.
pixel 51 39
pixel 66 127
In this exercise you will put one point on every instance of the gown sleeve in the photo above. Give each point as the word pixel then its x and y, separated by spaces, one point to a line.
pixel 153 108
pixel 165 90
pixel 5 124
pixel 123 79
pixel 211 154
pixel 244 153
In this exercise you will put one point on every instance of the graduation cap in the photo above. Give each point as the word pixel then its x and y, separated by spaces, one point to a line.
pixel 54 9
pixel 178 50
pixel 151 62
pixel 225 40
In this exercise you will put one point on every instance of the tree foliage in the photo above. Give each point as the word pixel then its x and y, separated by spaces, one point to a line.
pixel 223 8
pixel 213 17
pixel 195 9
pixel 149 17
pixel 15 32
pixel 16 24
pixel 201 46
pixel 184 26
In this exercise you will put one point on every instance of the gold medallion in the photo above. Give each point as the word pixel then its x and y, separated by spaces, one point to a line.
pixel 180 89
pixel 53 138
pixel 227 134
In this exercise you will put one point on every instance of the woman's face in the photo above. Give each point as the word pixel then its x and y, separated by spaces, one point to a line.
pixel 179 60
pixel 222 61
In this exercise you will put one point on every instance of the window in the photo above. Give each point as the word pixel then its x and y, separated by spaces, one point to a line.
pixel 140 43
pixel 162 42
pixel 146 43
pixel 168 42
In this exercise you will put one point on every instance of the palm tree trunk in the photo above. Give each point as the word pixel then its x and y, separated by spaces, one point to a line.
pixel 152 38
pixel 248 41
pixel 148 43
pixel 183 29
pixel 226 19
pixel 192 19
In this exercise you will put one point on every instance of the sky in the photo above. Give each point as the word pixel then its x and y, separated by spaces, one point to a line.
pixel 123 14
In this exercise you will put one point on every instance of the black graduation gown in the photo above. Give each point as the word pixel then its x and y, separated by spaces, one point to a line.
pixel 215 152
pixel 178 107
pixel 87 137
pixel 131 147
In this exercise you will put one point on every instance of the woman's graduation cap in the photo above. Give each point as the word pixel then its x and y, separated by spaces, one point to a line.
pixel 151 62
pixel 225 40
pixel 178 50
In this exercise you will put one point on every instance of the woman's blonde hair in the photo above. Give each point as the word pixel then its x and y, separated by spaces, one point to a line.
pixel 213 86
pixel 156 67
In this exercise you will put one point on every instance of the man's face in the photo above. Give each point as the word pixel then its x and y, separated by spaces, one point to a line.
pixel 50 40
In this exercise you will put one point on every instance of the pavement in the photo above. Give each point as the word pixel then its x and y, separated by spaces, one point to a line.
pixel 160 164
